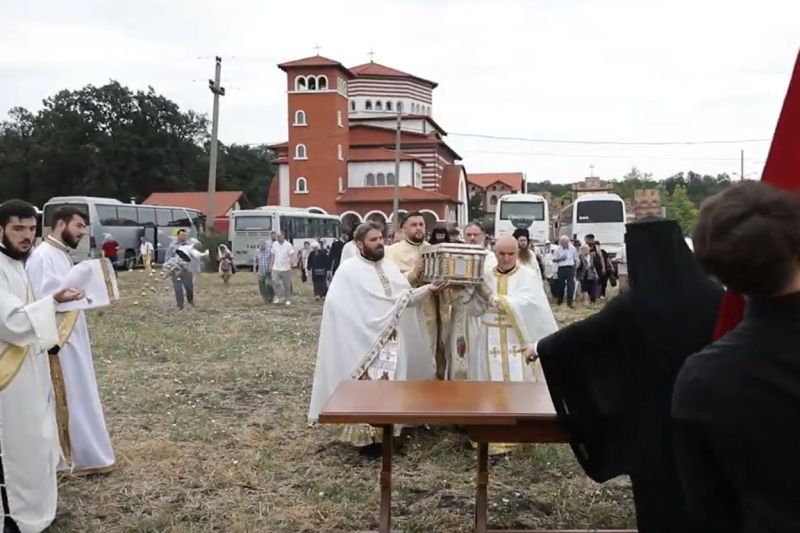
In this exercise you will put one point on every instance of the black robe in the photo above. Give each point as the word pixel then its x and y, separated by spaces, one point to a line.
pixel 611 376
pixel 736 413
pixel 336 254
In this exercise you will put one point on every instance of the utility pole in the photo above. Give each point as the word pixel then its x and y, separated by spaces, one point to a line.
pixel 741 165
pixel 396 199
pixel 218 91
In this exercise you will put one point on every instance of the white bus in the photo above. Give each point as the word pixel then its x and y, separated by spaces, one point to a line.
pixel 524 211
pixel 126 223
pixel 599 214
pixel 248 227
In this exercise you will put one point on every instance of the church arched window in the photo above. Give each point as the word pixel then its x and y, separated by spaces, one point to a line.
pixel 300 83
pixel 301 186
pixel 388 106
pixel 370 180
pixel 368 105
pixel 322 83
pixel 300 118
pixel 380 179
pixel 378 106
pixel 390 178
pixel 312 83
pixel 300 152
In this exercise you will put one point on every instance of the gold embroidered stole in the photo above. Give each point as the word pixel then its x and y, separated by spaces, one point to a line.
pixel 66 324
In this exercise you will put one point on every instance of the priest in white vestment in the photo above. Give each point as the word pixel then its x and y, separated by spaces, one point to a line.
pixel 364 334
pixel 29 449
pixel 405 255
pixel 84 438
pixel 514 312
pixel 461 322
pixel 349 250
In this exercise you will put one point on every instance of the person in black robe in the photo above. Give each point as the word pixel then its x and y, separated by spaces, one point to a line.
pixel 319 265
pixel 337 247
pixel 611 375
pixel 736 406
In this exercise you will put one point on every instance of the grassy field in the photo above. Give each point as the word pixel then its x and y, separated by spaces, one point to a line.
pixel 207 410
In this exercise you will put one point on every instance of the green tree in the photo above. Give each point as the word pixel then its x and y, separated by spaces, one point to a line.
pixel 111 141
pixel 680 207
pixel 633 180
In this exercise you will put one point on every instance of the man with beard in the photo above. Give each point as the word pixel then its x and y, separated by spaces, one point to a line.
pixel 85 442
pixel 526 256
pixel 406 256
pixel 363 333
pixel 28 438
pixel 458 348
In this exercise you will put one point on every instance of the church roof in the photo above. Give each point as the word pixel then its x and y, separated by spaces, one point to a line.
pixel 313 61
pixel 376 70
pixel 511 179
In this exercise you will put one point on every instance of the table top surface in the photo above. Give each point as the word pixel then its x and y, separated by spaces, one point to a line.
pixel 438 402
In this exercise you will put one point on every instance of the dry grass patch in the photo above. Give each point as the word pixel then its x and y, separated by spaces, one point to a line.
pixel 207 412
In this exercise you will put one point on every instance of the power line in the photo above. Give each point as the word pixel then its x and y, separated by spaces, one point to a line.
pixel 600 156
pixel 622 143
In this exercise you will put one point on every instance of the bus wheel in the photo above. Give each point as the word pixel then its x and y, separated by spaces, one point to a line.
pixel 130 260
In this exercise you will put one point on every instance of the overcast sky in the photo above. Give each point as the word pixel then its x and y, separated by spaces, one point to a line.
pixel 605 70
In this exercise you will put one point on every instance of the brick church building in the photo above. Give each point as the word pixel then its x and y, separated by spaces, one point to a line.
pixel 340 156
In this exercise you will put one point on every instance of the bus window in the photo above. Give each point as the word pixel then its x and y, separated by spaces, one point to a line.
pixel 197 221
pixel 126 216
pixel 163 217
pixel 531 210
pixel 50 209
pixel 106 215
pixel 597 211
pixel 253 224
pixel 180 218
pixel 146 216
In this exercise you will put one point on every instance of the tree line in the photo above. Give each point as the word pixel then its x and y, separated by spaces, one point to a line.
pixel 110 141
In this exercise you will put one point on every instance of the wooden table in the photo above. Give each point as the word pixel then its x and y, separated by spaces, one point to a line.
pixel 490 411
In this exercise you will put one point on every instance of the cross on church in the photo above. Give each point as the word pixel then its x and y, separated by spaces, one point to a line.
pixel 591 171
pixel 317 48
pixel 371 55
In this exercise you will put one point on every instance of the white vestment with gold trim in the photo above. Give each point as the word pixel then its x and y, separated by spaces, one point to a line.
pixel 516 314
pixel 372 328
pixel 90 444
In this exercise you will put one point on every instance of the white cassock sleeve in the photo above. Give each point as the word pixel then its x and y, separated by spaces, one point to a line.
pixel 42 274
pixel 24 324
pixel 529 307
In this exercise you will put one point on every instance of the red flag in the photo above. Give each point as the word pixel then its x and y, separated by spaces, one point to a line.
pixel 781 170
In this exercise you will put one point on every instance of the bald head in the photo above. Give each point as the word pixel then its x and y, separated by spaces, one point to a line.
pixel 506 250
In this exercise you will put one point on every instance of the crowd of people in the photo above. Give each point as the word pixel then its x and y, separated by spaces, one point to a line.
pixel 700 417
pixel 704 429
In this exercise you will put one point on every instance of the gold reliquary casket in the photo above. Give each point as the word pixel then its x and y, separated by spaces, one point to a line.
pixel 454 263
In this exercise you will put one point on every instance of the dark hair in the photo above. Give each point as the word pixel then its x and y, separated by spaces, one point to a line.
pixel 15 208
pixel 66 213
pixel 589 236
pixel 409 215
pixel 747 236
pixel 521 232
pixel 180 231
pixel 439 235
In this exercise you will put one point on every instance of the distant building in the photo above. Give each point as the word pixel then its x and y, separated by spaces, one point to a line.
pixel 224 203
pixel 645 203
pixel 340 154
pixel 590 185
pixel 491 186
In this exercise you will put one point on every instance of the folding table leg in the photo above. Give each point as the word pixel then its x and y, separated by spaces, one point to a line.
pixel 482 497
pixel 385 522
